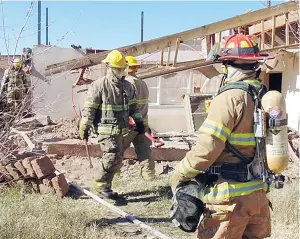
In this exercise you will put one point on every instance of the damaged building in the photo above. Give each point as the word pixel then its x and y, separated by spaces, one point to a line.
pixel 175 65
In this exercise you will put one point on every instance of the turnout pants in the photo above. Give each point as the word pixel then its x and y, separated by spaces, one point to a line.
pixel 142 149
pixel 244 217
pixel 111 161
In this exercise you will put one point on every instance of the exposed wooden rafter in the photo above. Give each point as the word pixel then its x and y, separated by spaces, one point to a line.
pixel 160 43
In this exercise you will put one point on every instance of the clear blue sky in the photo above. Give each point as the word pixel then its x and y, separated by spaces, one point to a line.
pixel 108 25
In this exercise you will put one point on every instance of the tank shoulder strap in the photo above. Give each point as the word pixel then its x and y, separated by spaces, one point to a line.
pixel 250 89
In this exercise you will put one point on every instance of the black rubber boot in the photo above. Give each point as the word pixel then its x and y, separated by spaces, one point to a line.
pixel 110 194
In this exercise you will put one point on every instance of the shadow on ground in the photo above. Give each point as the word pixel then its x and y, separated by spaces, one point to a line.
pixel 163 191
pixel 104 222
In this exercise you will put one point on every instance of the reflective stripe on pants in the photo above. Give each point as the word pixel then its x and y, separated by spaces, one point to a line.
pixel 243 217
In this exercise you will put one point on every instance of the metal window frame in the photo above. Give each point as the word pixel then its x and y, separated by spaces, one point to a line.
pixel 159 87
pixel 188 110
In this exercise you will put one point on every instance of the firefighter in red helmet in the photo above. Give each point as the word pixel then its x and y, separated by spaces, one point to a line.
pixel 228 147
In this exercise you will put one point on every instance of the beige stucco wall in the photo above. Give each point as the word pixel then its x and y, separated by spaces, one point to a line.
pixel 288 65
pixel 291 89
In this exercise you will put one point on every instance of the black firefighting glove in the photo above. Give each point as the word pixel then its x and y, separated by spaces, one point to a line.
pixel 140 127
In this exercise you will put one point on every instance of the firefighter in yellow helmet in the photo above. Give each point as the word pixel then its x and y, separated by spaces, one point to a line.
pixel 110 102
pixel 234 196
pixel 15 85
pixel 140 141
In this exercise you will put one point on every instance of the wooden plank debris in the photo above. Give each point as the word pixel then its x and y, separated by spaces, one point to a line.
pixel 160 43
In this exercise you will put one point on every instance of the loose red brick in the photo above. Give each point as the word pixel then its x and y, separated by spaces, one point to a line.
pixel 60 185
pixel 15 173
pixel 27 165
pixel 2 178
pixel 5 175
pixel 18 165
pixel 42 167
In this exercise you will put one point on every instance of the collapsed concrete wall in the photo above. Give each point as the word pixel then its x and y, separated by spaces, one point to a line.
pixel 53 95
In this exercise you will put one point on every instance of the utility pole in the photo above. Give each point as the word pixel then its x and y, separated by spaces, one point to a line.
pixel 142 26
pixel 39 21
pixel 47 26
pixel 268 3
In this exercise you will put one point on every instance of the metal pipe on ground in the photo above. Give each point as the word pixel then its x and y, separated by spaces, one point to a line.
pixel 120 212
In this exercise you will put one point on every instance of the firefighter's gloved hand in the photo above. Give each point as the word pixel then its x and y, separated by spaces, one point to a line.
pixel 140 127
pixel 83 132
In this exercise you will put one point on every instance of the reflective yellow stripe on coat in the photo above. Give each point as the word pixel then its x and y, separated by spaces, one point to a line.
pixel 107 129
pixel 185 168
pixel 216 129
pixel 108 107
pixel 92 105
pixel 142 101
pixel 222 192
pixel 242 139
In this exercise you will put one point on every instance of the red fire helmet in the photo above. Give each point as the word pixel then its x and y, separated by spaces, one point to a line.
pixel 242 47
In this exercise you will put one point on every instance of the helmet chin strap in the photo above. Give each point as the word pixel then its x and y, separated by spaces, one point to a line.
pixel 225 74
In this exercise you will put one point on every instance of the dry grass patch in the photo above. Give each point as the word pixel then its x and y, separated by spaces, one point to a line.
pixel 285 215
pixel 39 216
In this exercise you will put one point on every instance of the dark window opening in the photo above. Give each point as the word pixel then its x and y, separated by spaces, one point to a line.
pixel 275 81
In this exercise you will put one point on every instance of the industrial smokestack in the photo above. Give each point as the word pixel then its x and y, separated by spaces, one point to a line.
pixel 142 26
pixel 39 21
pixel 47 43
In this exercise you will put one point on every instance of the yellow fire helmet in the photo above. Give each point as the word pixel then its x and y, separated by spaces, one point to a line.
pixel 17 63
pixel 115 59
pixel 132 61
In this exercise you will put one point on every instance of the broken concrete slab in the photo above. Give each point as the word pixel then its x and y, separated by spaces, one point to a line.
pixel 171 151
pixel 34 122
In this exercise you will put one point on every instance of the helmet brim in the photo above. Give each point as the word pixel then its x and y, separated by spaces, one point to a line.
pixel 115 66
pixel 134 64
pixel 254 58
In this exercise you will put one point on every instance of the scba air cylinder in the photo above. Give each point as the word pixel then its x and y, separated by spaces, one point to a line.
pixel 277 134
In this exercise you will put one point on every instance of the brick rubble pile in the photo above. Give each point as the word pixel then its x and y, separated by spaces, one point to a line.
pixel 36 173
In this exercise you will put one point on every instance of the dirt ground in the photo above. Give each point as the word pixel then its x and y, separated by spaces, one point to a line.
pixel 150 201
